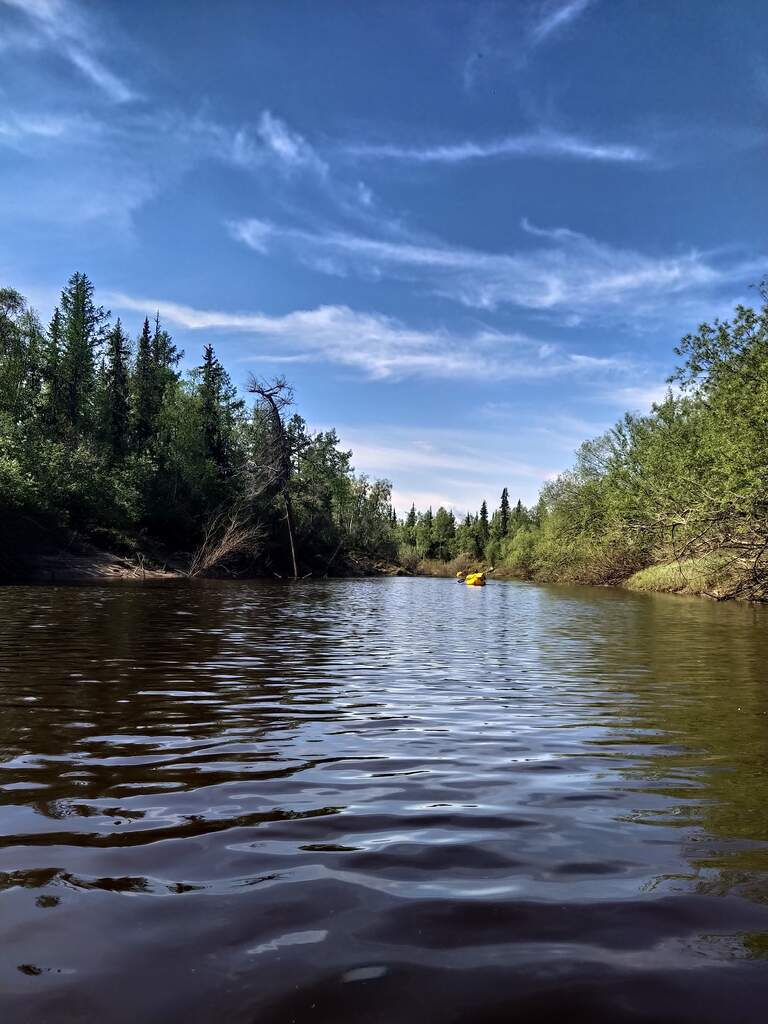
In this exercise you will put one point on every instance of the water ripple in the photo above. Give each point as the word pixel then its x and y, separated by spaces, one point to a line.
pixel 272 802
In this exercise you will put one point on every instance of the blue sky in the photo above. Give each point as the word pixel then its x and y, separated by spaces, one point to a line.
pixel 470 233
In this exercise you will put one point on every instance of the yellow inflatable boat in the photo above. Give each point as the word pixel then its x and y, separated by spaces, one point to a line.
pixel 475 579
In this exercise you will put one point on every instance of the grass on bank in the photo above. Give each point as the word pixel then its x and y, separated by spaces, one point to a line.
pixel 711 574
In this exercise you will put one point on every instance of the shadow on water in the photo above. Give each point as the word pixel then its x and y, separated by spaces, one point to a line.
pixel 381 800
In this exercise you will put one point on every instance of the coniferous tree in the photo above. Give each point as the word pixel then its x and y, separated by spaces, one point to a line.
pixel 443 533
pixel 424 534
pixel 144 389
pixel 519 516
pixel 52 397
pixel 116 396
pixel 83 326
pixel 210 408
pixel 219 409
pixel 483 524
pixel 464 540
pixel 409 527
pixel 504 513
pixel 165 358
pixel 204 484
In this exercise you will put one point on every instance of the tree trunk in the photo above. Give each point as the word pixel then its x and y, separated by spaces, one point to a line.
pixel 289 521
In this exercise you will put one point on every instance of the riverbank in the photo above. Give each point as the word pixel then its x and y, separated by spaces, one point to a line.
pixel 59 557
pixel 717 576
pixel 43 555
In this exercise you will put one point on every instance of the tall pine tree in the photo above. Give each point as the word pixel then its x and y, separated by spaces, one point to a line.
pixel 83 327
pixel 424 534
pixel 52 398
pixel 144 389
pixel 156 358
pixel 116 396
pixel 409 527
pixel 483 523
pixel 504 513
pixel 219 409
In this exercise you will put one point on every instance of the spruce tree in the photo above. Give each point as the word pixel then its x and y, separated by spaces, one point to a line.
pixel 165 357
pixel 443 533
pixel 504 513
pixel 424 534
pixel 219 408
pixel 483 521
pixel 52 409
pixel 83 326
pixel 116 408
pixel 144 389
pixel 409 527
pixel 519 516
pixel 164 352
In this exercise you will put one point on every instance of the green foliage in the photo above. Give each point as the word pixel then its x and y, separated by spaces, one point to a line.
pixel 83 327
pixel 115 412
pixel 685 485
pixel 424 537
pixel 94 439
pixel 443 533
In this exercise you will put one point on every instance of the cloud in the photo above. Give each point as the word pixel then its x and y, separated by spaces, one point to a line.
pixel 101 76
pixel 254 233
pixel 502 38
pixel 456 468
pixel 538 144
pixel 417 456
pixel 639 399
pixel 62 28
pixel 291 149
pixel 568 273
pixel 555 17
pixel 364 194
pixel 89 167
pixel 16 127
pixel 384 348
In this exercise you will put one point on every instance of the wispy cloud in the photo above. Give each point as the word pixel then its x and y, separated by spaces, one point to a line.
pixel 91 166
pixel 16 127
pixel 502 38
pixel 536 144
pixel 378 458
pixel 556 16
pixel 638 398
pixel 456 468
pixel 569 273
pixel 290 148
pixel 63 28
pixel 384 348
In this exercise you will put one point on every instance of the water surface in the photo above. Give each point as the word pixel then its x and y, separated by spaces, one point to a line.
pixel 382 801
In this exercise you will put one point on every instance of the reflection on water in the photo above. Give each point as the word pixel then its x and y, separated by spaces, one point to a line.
pixel 381 800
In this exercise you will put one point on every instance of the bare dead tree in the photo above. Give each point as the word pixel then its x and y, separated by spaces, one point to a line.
pixel 275 396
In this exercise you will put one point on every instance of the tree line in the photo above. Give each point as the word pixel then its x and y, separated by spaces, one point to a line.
pixel 474 537
pixel 683 486
pixel 103 434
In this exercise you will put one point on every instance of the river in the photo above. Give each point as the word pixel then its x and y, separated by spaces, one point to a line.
pixel 386 800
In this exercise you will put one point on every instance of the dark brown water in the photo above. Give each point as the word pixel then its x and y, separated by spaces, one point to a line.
pixel 381 801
